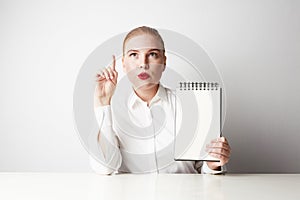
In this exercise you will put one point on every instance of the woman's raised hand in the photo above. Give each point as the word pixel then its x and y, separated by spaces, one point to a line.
pixel 106 84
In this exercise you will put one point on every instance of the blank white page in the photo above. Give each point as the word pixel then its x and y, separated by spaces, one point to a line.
pixel 198 119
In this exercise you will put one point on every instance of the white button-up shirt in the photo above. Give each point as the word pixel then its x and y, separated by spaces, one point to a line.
pixel 141 138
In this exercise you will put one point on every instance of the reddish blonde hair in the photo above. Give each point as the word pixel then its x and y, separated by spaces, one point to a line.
pixel 143 30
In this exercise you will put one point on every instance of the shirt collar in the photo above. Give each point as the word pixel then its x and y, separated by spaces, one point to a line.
pixel 161 94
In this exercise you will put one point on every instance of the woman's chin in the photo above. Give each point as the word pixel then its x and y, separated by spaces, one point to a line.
pixel 145 86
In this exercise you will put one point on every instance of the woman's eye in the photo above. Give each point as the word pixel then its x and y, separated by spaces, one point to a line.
pixel 153 54
pixel 133 55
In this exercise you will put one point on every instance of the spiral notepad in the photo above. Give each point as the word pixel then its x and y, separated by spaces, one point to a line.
pixel 198 119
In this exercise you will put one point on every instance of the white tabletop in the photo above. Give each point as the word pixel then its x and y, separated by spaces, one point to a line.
pixel 148 186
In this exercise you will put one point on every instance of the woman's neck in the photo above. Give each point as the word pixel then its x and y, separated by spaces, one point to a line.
pixel 147 93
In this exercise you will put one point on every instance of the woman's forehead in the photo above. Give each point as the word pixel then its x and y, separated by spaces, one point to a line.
pixel 144 41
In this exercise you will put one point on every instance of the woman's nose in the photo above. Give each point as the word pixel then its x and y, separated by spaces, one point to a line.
pixel 145 66
pixel 144 63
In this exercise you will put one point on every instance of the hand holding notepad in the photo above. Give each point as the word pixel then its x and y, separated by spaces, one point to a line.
pixel 198 119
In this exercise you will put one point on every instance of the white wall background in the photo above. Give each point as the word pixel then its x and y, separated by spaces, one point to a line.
pixel 254 43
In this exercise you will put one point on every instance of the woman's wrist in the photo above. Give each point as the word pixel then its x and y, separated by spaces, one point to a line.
pixel 102 101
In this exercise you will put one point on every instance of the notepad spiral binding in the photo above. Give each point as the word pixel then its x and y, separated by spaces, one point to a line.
pixel 198 86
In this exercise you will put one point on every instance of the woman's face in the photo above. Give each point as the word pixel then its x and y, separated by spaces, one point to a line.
pixel 144 60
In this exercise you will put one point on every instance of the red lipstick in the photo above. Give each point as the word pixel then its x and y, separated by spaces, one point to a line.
pixel 143 76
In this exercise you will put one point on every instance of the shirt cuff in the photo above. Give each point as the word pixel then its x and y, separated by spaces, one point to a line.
pixel 207 170
pixel 103 116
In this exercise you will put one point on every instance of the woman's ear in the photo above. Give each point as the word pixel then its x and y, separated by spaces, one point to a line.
pixel 165 62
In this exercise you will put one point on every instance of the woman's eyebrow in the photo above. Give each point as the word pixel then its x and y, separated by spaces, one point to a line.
pixel 132 50
pixel 155 50
pixel 136 50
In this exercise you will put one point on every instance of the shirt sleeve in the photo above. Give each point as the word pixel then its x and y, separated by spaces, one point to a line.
pixel 206 170
pixel 107 158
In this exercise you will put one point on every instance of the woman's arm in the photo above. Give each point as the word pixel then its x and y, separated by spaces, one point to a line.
pixel 108 156
pixel 106 144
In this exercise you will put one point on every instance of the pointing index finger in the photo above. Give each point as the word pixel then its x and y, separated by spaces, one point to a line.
pixel 113 66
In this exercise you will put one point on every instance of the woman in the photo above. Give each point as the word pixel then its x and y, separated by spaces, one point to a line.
pixel 144 61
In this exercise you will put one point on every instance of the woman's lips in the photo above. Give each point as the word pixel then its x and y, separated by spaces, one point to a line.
pixel 143 76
